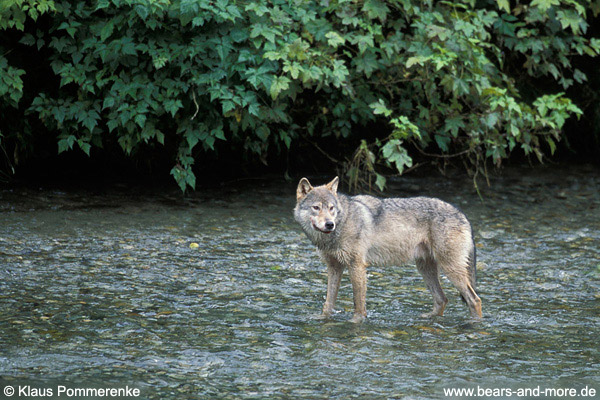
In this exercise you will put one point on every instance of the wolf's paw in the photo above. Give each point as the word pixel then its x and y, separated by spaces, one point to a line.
pixel 431 314
pixel 358 318
pixel 317 317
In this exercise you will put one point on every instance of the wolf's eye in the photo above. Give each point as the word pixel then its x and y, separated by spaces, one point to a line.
pixel 331 208
pixel 316 208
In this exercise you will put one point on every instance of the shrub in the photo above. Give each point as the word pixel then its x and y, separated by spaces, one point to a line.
pixel 450 78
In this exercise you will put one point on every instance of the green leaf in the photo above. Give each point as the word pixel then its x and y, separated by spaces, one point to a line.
pixel 579 76
pixel 160 137
pixel 172 105
pixel 379 108
pixel 107 30
pixel 142 11
pixel 394 153
pixel 218 133
pixel 416 60
pixel 453 124
pixel 544 5
pixel 71 27
pixel 108 102
pixel 376 9
pixel 334 39
pixel 128 46
pixel 364 42
pixel 273 55
pixel 184 176
pixel 66 143
pixel 159 61
pixel 254 109
pixel 503 5
pixel 90 120
pixel 442 142
pixel 551 144
pixel 367 63
pixel 554 71
pixel 460 86
pixel 287 139
pixel 297 50
pixel 570 19
pixel 192 136
pixel 380 181
pixel 140 120
pixel 228 105
pixel 263 133
pixel 85 146
pixel 27 39
pixel 280 83
pixel 293 69
pixel 505 25
pixel 264 31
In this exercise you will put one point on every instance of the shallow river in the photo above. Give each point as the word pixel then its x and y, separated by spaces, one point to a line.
pixel 107 289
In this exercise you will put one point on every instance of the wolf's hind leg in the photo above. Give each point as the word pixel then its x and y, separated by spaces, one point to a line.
pixel 358 278
pixel 429 270
pixel 461 278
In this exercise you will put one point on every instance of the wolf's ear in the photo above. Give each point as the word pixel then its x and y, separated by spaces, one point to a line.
pixel 303 188
pixel 333 185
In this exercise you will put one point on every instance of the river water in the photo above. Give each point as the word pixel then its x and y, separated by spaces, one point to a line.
pixel 216 295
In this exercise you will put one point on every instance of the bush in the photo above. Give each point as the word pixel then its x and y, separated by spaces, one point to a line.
pixel 450 78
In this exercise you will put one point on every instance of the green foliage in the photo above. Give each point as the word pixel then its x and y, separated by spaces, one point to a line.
pixel 11 84
pixel 190 76
pixel 13 14
pixel 392 151
pixel 462 98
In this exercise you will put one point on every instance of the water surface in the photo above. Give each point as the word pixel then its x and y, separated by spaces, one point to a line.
pixel 108 289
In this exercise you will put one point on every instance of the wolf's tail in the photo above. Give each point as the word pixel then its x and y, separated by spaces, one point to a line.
pixel 472 268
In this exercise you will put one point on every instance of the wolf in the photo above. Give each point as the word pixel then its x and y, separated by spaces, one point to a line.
pixel 353 232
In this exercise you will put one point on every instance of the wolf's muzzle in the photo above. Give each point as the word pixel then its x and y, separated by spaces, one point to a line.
pixel 328 228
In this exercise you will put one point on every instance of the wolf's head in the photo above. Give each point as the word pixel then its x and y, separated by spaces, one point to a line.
pixel 317 208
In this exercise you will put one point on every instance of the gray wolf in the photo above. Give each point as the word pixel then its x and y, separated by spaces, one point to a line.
pixel 352 232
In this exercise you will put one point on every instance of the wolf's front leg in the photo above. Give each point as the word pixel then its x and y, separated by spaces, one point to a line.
pixel 358 277
pixel 334 277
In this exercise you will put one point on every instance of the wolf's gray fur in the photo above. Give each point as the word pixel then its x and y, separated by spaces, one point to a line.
pixel 352 232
